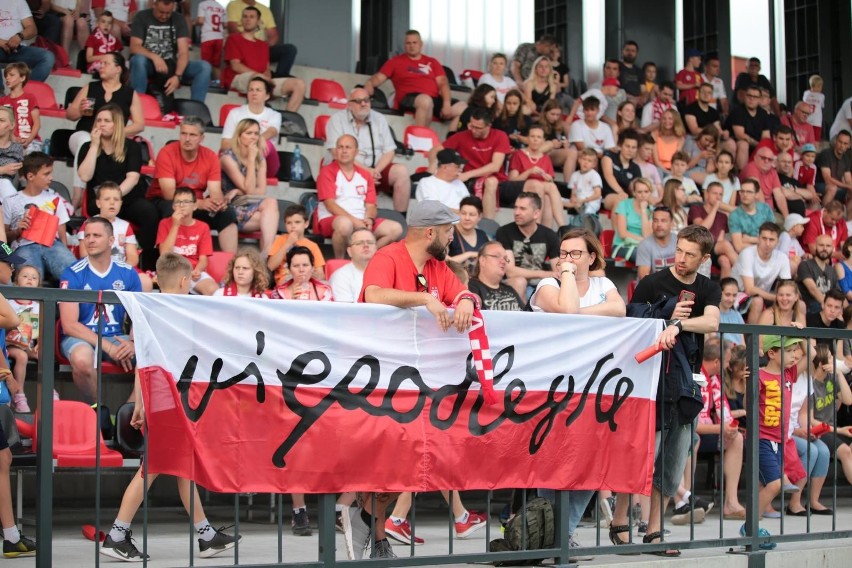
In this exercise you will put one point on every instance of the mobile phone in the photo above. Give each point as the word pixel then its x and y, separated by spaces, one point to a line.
pixel 686 296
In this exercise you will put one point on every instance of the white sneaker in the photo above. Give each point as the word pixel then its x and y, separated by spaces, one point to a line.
pixel 356 533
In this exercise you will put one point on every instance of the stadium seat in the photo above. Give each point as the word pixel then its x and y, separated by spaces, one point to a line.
pixel 43 93
pixel 59 148
pixel 224 111
pixel 490 226
pixel 319 126
pixel 283 204
pixel 329 92
pixel 129 440
pixel 421 139
pixel 454 84
pixel 217 264
pixel 286 159
pixel 607 236
pixel 380 103
pixel 392 215
pixel 71 94
pixel 295 129
pixel 189 107
pixel 471 74
pixel 75 437
pixel 152 113
pixel 332 264
pixel 107 368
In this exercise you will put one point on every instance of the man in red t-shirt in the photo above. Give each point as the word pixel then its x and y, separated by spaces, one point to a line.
pixel 247 57
pixel 763 168
pixel 826 221
pixel 420 83
pixel 689 79
pixel 347 200
pixel 186 163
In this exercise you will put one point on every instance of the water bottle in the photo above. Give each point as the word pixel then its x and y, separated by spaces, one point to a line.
pixel 45 146
pixel 296 171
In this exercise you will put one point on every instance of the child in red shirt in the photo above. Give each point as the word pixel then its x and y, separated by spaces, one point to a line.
pixel 101 43
pixel 183 235
pixel 25 107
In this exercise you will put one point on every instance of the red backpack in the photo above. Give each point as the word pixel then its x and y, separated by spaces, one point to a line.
pixel 60 55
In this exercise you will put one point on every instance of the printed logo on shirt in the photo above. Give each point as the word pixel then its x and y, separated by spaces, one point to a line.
pixel 118 285
pixel 361 189
pixel 421 69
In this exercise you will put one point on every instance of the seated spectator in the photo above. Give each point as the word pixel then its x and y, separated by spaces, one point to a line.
pixel 829 393
pixel 799 197
pixel 563 76
pixel 246 57
pixel 445 186
pixel 188 162
pixel 121 11
pixel 419 82
pixel 555 133
pixel 702 154
pixel 283 54
pixel 585 185
pixel 159 47
pixel 781 141
pixel 497 78
pixel 296 222
pixel 712 70
pixel 830 317
pixel 126 248
pixel 612 92
pixel 645 160
pixel 632 220
pixel 724 175
pixel 376 146
pixel 816 275
pixel 652 112
pixel 347 281
pixel 244 183
pixel 22 343
pixel 302 285
pixel 258 92
pixel 834 169
pixel 619 171
pixel 576 112
pixel 703 113
pixel 656 251
pixel 826 221
pixel 101 43
pixel 679 165
pixel 469 239
pixel 540 86
pixel 483 96
pixel 815 99
pixel 674 197
pixel 727 312
pixel 805 170
pixel 758 267
pixel 803 132
pixel 745 220
pixel 527 54
pixel 787 310
pixel 75 21
pixel 669 139
pixel 11 154
pixel 512 119
pixel 37 170
pixel 625 117
pixel 587 133
pixel 532 248
pixel 534 168
pixel 487 283
pixel 80 322
pixel 27 121
pixel 788 242
pixel 347 195
pixel 629 73
pixel 17 26
pixel 766 103
pixel 749 124
pixel 245 276
pixel 844 269
pixel 181 233
pixel 710 215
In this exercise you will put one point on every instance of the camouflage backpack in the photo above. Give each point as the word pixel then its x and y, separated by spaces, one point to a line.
pixel 539 532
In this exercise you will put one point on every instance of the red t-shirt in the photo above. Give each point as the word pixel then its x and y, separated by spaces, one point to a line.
pixel 103 44
pixel 194 175
pixel 816 227
pixel 22 107
pixel 522 162
pixel 192 241
pixel 413 75
pixel 768 181
pixel 693 78
pixel 479 153
pixel 804 132
pixel 254 54
pixel 804 174
pixel 772 416
pixel 392 267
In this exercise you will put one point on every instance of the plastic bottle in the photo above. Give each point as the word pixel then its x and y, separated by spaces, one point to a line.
pixel 296 171
pixel 45 146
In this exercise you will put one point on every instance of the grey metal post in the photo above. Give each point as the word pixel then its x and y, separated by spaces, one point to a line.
pixel 44 426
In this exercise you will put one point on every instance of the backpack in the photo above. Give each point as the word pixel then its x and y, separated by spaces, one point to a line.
pixel 60 56
pixel 538 515
pixel 583 221
pixel 310 202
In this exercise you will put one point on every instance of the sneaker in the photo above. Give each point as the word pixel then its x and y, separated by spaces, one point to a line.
pixel 761 532
pixel 572 544
pixel 475 521
pixel 382 549
pixel 19 404
pixel 703 504
pixel 301 523
pixel 356 533
pixel 24 547
pixel 607 506
pixel 401 532
pixel 219 543
pixel 684 513
pixel 123 549
pixel 338 521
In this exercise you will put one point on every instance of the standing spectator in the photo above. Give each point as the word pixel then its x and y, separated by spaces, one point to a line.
pixel 816 275
pixel 72 14
pixel 347 281
pixel 246 57
pixel 828 220
pixel 688 79
pixel 745 220
pixel 212 18
pixel 258 92
pixel 17 26
pixel 758 267
pixel 27 121
pixel 527 53
pixel 497 78
pixel 763 169
pixel 816 100
pixel 657 251
pixel 749 124
pixel 712 67
pixel 487 283
pixel 834 179
pixel 842 120
pixel 629 74
pixel 101 43
pixel 420 83
pixel 284 54
pixel 159 47
pixel 751 77
pixel 376 146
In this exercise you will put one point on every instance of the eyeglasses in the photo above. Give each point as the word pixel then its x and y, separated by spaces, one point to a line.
pixel 767 158
pixel 364 101
pixel 575 254
pixel 422 282
pixel 182 202
pixel 362 243
pixel 497 256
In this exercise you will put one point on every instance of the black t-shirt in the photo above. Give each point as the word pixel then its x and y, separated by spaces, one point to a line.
pixel 562 69
pixel 533 253
pixel 510 127
pixel 704 118
pixel 815 320
pixel 630 79
pixel 107 169
pixel 753 125
pixel 793 205
pixel 837 166
pixel 624 175
pixel 504 298
pixel 744 81
pixel 123 97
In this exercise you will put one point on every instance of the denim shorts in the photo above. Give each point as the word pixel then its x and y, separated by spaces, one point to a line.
pixel 68 344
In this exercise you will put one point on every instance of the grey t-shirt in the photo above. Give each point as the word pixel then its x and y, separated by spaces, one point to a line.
pixel 825 280
pixel 650 253
pixel 159 37
pixel 825 395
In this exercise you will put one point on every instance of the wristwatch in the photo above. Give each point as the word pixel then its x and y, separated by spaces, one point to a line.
pixel 677 323
pixel 20 35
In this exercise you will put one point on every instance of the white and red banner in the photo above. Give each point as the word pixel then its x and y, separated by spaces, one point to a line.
pixel 246 395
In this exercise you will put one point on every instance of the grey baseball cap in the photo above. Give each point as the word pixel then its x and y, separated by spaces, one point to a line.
pixel 431 213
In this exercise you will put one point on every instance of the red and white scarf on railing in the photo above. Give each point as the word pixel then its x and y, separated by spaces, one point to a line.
pixel 480 348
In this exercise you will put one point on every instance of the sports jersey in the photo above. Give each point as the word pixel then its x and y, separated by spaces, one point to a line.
pixel 123 233
pixel 191 241
pixel 692 78
pixel 771 414
pixel 119 276
pixel 805 174
pixel 102 43
pixel 214 20
pixel 413 76
pixel 351 193
pixel 23 107
pixel 194 175
pixel 392 267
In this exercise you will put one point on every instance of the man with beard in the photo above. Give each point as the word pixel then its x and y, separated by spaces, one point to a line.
pixel 630 74
pixel 826 221
pixel 656 252
pixel 376 146
pixel 488 282
pixel 816 275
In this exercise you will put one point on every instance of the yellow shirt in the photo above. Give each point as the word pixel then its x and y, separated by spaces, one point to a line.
pixel 235 14
pixel 281 274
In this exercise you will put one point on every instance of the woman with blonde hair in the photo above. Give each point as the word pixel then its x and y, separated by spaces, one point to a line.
pixel 244 183
pixel 669 139
pixel 246 275
pixel 541 86
pixel 788 309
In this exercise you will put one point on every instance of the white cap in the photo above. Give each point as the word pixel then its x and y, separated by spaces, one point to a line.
pixel 794 219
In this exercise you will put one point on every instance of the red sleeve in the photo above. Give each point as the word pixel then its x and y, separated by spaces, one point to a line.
pixel 502 143
pixel 165 165
pixel 453 142
pixel 517 162
pixel 211 162
pixel 389 67
pixel 205 243
pixel 379 272
pixel 326 184
pixel 163 230
pixel 545 163
pixel 811 231
pixel 129 232
pixel 93 41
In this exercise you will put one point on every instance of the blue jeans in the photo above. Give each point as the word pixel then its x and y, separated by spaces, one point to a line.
pixel 284 54
pixel 57 257
pixel 820 456
pixel 197 72
pixel 40 61
pixel 577 502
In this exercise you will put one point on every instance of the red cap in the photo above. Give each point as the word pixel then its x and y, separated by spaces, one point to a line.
pixel 610 82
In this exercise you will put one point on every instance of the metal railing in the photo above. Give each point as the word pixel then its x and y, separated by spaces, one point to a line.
pixel 326 553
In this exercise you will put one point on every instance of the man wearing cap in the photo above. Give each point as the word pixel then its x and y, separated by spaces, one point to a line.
pixel 376 146
pixel 816 275
pixel 445 186
pixel 688 79
pixel 828 220
pixel 347 196
pixel 7 261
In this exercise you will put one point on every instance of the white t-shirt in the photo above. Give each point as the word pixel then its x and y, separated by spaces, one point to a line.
pixel 583 186
pixel 16 206
pixel 802 389
pixel 788 245
pixel 599 138
pixel 267 119
pixel 346 283
pixel 598 94
pixel 215 19
pixel 120 9
pixel 689 186
pixel 11 16
pixel 450 193
pixel 841 121
pixel 817 102
pixel 502 87
pixel 719 91
pixel 596 294
pixel 763 272
pixel 729 186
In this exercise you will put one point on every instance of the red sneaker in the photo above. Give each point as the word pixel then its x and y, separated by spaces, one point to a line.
pixel 475 521
pixel 402 532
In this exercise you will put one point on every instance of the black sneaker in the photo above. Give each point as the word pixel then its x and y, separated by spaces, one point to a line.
pixel 24 547
pixel 382 549
pixel 219 543
pixel 703 504
pixel 301 523
pixel 121 549
pixel 683 514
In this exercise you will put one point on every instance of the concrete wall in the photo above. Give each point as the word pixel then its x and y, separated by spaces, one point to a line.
pixel 323 32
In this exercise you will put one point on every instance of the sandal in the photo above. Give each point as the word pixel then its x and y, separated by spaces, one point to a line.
pixel 650 538
pixel 614 531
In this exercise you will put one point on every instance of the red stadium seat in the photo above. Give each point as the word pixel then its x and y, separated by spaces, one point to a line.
pixel 224 111
pixel 328 91
pixel 631 287
pixel 217 264
pixel 47 105
pixel 471 74
pixel 76 438
pixel 152 113
pixel 607 236
pixel 420 138
pixel 333 264
pixel 319 126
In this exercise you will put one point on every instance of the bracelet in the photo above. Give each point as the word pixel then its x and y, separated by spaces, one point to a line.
pixel 467 295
